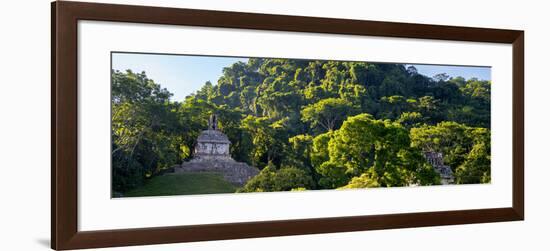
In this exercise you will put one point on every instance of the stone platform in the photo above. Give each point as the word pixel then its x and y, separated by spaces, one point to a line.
pixel 237 173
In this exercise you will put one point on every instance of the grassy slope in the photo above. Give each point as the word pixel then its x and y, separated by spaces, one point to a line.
pixel 183 184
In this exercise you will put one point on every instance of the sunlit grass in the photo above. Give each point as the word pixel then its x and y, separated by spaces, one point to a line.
pixel 183 184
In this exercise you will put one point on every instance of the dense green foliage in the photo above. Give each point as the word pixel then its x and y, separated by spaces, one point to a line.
pixel 466 149
pixel 378 151
pixel 309 124
pixel 284 179
pixel 145 131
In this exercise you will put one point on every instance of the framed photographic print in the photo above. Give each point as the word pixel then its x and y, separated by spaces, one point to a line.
pixel 176 125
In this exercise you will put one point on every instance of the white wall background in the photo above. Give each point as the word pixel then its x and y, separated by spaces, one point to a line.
pixel 25 124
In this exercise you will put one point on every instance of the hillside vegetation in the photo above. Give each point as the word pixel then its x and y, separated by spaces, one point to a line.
pixel 309 124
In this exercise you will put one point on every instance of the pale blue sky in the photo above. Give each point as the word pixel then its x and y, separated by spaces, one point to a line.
pixel 467 72
pixel 183 75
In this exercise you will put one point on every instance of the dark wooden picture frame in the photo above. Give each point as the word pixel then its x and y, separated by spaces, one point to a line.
pixel 64 220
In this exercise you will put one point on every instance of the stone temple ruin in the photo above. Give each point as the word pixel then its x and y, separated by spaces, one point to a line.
pixel 211 154
pixel 445 172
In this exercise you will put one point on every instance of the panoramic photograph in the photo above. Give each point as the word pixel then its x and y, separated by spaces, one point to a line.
pixel 201 124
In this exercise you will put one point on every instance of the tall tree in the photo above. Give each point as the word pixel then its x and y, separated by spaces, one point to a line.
pixel 328 114
pixel 381 149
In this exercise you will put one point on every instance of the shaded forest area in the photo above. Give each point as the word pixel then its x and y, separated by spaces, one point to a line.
pixel 309 124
